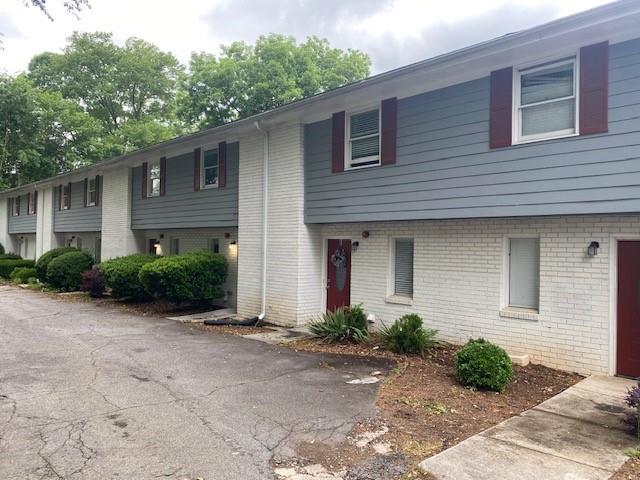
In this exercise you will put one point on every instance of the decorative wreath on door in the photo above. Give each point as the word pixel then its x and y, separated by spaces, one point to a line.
pixel 339 261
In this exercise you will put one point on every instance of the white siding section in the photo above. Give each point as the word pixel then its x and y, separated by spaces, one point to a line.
pixel 117 237
pixel 459 279
pixel 5 238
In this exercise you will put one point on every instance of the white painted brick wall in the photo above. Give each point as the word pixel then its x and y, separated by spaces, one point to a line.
pixel 117 237
pixel 459 282
pixel 193 240
pixel 293 258
pixel 46 239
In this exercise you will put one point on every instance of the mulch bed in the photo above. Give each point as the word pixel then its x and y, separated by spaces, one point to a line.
pixel 427 410
pixel 230 329
pixel 630 471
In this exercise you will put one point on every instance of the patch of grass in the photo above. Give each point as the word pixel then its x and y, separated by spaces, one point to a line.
pixel 420 449
pixel 633 452
pixel 431 408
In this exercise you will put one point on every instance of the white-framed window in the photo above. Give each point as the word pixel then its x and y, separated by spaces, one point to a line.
pixel 15 206
pixel 401 268
pixel 153 182
pixel 523 261
pixel 363 139
pixel 91 192
pixel 545 101
pixel 214 245
pixel 33 198
pixel 209 168
pixel 66 200
pixel 174 246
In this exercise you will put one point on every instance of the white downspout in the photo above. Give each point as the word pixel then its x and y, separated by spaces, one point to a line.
pixel 265 202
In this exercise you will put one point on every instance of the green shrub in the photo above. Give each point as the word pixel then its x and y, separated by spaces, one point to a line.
pixel 342 325
pixel 189 277
pixel 481 364
pixel 1 249
pixel 10 256
pixel 8 266
pixel 23 274
pixel 45 258
pixel 92 282
pixel 406 335
pixel 65 271
pixel 121 275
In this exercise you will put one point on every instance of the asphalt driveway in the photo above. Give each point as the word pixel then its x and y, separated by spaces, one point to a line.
pixel 88 392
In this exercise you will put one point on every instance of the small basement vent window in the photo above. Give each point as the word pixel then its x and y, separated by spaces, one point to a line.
pixel 403 267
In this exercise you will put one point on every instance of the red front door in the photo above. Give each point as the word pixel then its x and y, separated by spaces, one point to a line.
pixel 628 356
pixel 338 273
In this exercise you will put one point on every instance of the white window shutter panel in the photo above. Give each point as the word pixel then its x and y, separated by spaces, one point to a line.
pixel 403 267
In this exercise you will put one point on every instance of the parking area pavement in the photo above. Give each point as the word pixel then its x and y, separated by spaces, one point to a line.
pixel 91 392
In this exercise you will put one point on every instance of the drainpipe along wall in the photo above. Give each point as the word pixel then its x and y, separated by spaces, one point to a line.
pixel 265 205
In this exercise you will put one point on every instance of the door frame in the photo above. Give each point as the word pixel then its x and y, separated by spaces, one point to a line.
pixel 613 295
pixel 325 253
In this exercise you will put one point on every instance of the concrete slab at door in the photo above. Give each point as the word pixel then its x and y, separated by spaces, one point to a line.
pixel 338 273
pixel 628 351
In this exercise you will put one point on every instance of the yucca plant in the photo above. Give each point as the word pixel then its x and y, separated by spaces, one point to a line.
pixel 341 325
pixel 406 335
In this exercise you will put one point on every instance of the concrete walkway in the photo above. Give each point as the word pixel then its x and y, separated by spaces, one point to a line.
pixel 576 435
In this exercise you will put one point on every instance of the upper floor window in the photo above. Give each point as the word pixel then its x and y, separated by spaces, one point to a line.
pixel 546 101
pixel 363 135
pixel 210 165
pixel 15 211
pixel 92 192
pixel 32 200
pixel 154 179
pixel 66 196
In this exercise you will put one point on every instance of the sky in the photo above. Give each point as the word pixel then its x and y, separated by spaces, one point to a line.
pixel 392 32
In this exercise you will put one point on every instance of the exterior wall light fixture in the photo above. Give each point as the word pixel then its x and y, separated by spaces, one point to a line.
pixel 592 250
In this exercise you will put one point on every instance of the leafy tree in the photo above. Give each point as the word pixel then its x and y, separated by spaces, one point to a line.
pixel 42 134
pixel 248 79
pixel 73 6
pixel 122 87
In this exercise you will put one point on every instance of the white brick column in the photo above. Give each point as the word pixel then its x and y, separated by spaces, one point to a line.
pixel 293 249
pixel 117 237
pixel 5 238
pixel 46 239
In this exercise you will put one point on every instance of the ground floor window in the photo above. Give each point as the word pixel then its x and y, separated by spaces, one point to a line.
pixel 175 246
pixel 524 272
pixel 97 249
pixel 214 245
pixel 402 267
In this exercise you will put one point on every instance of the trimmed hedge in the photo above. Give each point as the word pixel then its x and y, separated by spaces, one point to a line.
pixel 23 274
pixel 43 261
pixel 481 364
pixel 65 271
pixel 8 266
pixel 190 277
pixel 121 275
pixel 10 256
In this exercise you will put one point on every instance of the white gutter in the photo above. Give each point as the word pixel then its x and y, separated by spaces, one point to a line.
pixel 265 204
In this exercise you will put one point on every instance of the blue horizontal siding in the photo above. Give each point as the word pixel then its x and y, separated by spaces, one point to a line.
pixel 77 218
pixel 181 206
pixel 445 168
pixel 23 223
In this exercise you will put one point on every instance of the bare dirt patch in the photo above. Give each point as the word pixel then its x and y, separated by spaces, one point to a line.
pixel 424 407
pixel 231 329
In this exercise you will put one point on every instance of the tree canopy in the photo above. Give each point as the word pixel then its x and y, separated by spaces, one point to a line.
pixel 73 6
pixel 98 99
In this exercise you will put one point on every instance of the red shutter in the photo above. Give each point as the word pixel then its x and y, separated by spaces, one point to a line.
pixel 60 197
pixel 18 205
pixel 145 168
pixel 35 202
pixel 163 175
pixel 69 197
pixel 337 142
pixel 222 164
pixel 97 190
pixel 594 88
pixel 389 131
pixel 86 189
pixel 500 111
pixel 196 169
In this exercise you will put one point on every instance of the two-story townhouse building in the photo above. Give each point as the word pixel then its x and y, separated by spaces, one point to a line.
pixel 494 190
